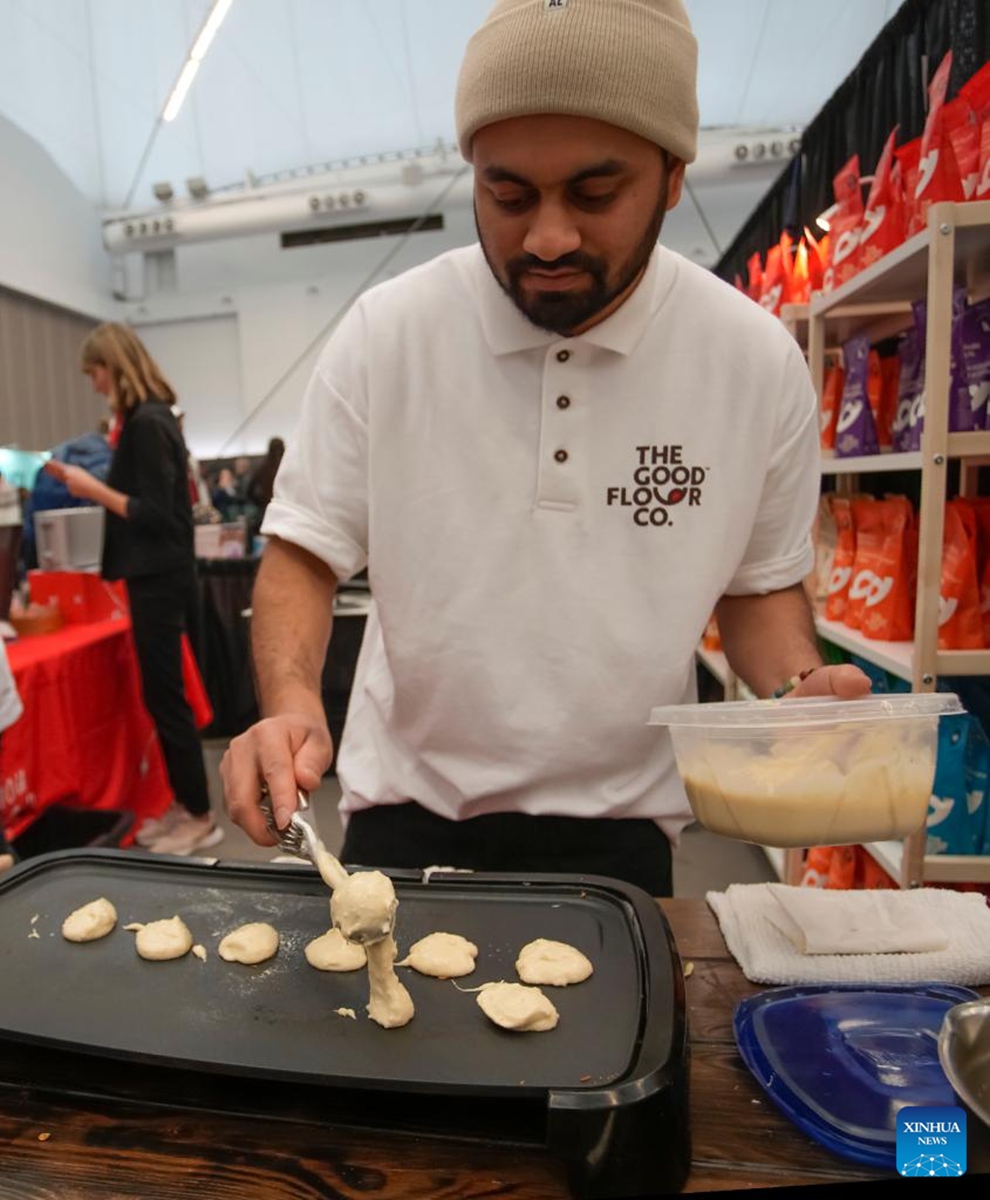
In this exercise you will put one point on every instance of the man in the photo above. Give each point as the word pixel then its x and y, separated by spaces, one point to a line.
pixel 556 453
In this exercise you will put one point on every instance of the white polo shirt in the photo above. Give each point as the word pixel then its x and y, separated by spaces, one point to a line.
pixel 547 523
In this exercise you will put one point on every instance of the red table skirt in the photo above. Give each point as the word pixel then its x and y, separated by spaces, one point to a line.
pixel 85 737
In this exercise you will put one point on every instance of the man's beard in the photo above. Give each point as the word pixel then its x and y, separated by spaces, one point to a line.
pixel 563 312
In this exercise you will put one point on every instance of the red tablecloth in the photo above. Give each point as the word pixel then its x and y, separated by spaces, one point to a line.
pixel 85 737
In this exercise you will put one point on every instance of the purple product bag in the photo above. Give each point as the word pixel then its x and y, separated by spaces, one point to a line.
pixel 966 411
pixel 976 361
pixel 855 431
pixel 910 418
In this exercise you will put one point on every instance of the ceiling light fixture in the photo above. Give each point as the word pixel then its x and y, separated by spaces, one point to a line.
pixel 196 55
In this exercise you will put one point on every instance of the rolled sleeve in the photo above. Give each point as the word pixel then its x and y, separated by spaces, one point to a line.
pixel 780 551
pixel 320 499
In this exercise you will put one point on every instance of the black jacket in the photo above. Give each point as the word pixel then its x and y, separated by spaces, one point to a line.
pixel 149 466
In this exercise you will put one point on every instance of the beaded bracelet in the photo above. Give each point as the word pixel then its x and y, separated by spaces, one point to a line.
pixel 792 683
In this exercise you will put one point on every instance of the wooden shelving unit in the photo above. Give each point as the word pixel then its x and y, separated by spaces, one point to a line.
pixel 955 248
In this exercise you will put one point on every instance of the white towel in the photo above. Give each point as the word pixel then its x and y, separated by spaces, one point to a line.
pixel 766 955
pixel 841 922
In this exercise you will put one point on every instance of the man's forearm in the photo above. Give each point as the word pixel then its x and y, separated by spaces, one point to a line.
pixel 291 622
pixel 768 639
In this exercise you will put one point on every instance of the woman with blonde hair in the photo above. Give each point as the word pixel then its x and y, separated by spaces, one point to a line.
pixel 148 542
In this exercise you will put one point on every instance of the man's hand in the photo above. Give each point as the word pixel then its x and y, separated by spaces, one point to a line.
pixel 841 683
pixel 76 479
pixel 287 752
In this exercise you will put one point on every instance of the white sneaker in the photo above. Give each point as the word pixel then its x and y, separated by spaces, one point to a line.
pixel 188 835
pixel 157 827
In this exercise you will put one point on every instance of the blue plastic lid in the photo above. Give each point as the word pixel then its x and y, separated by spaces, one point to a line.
pixel 841 1062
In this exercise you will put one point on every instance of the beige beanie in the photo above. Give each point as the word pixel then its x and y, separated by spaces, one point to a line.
pixel 631 63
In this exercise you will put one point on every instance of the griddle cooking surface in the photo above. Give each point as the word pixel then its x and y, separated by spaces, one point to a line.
pixel 277 1019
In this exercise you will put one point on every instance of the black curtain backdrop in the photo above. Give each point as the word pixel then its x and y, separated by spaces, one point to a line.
pixel 887 88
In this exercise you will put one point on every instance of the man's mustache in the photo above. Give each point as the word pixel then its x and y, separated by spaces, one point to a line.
pixel 575 261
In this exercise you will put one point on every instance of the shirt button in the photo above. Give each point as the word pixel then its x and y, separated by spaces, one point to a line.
pixel 561 456
pixel 563 355
pixel 563 402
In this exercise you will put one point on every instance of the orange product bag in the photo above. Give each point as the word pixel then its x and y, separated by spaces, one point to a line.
pixel 835 381
pixel 842 564
pixel 846 226
pixel 711 639
pixel 867 517
pixel 817 862
pixel 824 538
pixel 938 172
pixel 889 611
pixel 841 868
pixel 960 625
pixel 883 218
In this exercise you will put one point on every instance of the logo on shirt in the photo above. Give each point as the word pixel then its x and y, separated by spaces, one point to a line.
pixel 660 482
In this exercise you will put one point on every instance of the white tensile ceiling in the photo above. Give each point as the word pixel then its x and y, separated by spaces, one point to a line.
pixel 289 83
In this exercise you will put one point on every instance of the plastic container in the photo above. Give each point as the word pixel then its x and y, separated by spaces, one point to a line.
pixel 810 772
pixel 841 1062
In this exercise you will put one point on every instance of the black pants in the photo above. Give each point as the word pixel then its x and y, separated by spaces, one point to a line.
pixel 407 835
pixel 162 608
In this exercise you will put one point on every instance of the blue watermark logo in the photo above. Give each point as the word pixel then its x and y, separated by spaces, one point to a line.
pixel 931 1142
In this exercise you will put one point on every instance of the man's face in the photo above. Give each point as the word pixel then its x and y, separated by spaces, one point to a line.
pixel 568 211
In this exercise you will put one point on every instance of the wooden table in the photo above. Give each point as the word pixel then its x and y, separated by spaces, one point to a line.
pixel 99 1150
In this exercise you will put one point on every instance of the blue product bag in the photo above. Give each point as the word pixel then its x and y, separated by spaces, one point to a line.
pixel 957 809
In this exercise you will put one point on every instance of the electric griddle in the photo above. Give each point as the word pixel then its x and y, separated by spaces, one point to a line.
pixel 606 1091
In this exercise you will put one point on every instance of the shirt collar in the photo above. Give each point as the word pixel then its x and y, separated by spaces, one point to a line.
pixel 507 331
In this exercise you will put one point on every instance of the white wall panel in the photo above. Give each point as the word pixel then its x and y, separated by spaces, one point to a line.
pixel 201 360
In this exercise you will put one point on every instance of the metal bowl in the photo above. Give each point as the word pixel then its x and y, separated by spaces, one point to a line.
pixel 964 1052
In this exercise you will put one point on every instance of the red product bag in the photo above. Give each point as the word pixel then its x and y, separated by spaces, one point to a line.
pixel 842 564
pixel 846 226
pixel 960 626
pixel 755 268
pixel 962 128
pixel 938 173
pixel 883 218
pixel 908 159
pixel 976 93
pixel 890 382
pixel 818 251
pixel 867 517
pixel 772 288
pixel 800 292
pixel 889 611
pixel 981 507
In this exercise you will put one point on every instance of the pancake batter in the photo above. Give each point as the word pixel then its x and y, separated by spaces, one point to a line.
pixel 553 963
pixel 159 941
pixel 442 955
pixel 512 1006
pixel 89 923
pixel 332 952
pixel 250 944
